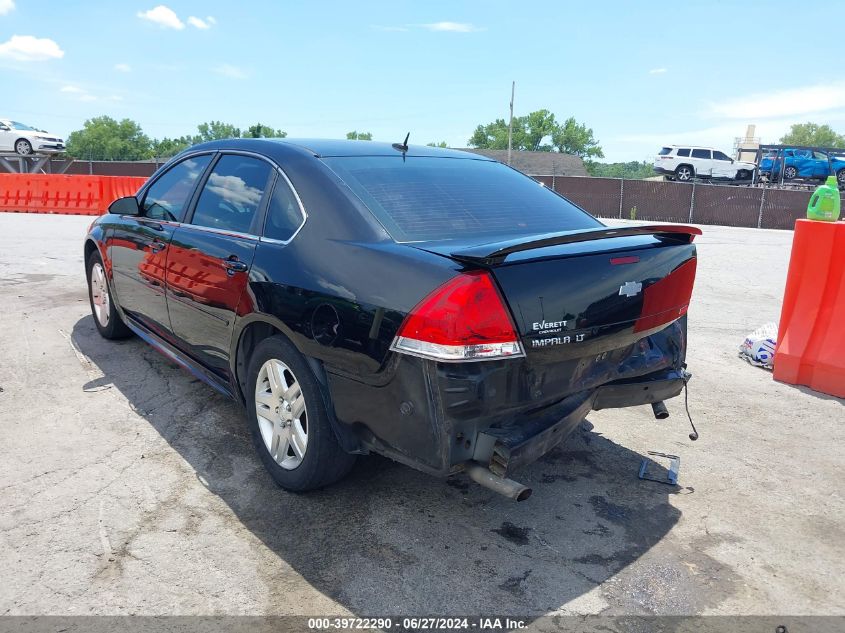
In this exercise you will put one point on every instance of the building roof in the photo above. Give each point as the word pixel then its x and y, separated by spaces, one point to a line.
pixel 537 163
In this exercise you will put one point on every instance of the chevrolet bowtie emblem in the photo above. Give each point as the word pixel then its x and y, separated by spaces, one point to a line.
pixel 630 288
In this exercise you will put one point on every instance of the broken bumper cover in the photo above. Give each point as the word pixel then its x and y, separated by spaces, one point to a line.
pixel 506 448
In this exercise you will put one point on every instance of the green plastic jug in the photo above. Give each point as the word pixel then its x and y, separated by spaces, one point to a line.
pixel 824 204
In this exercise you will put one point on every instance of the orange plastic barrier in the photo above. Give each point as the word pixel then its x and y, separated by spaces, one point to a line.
pixel 811 336
pixel 71 195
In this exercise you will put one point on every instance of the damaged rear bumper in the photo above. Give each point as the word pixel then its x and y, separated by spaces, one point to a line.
pixel 508 447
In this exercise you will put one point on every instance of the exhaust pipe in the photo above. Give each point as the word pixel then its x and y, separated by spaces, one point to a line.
pixel 660 410
pixel 507 487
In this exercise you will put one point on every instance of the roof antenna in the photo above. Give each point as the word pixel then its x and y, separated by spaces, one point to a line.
pixel 403 146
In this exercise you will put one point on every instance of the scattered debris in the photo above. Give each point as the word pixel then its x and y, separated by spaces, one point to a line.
pixel 759 346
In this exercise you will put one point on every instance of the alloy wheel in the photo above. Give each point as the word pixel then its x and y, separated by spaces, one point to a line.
pixel 282 415
pixel 684 173
pixel 840 177
pixel 23 148
pixel 100 294
pixel 789 173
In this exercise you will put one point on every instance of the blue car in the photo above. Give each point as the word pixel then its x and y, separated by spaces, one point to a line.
pixel 803 163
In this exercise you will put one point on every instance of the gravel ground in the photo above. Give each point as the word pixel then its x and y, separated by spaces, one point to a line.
pixel 129 487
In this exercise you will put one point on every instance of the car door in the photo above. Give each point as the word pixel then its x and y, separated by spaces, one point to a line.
pixel 821 167
pixel 6 135
pixel 702 162
pixel 723 166
pixel 138 246
pixel 211 254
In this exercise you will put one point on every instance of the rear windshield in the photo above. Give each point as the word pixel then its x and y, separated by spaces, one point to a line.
pixel 428 198
pixel 664 151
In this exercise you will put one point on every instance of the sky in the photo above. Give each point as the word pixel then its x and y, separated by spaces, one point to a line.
pixel 641 75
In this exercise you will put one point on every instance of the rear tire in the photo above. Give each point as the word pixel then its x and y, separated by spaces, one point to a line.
pixel 684 173
pixel 289 421
pixel 103 309
pixel 840 178
pixel 790 173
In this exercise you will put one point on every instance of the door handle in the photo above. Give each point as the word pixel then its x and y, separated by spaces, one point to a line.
pixel 157 246
pixel 234 265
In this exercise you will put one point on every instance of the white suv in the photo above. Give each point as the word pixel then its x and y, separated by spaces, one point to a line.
pixel 685 162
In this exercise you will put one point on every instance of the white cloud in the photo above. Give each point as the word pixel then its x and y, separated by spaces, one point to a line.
pixel 6 6
pixel 77 93
pixel 211 19
pixel 782 103
pixel 26 48
pixel 124 68
pixel 164 16
pixel 200 23
pixel 230 71
pixel 115 98
pixel 657 71
pixel 454 27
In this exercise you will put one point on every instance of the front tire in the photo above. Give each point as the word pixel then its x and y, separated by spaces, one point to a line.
pixel 23 147
pixel 684 173
pixel 106 318
pixel 289 420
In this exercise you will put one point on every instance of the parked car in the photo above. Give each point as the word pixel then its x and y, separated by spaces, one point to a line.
pixel 430 305
pixel 26 141
pixel 686 162
pixel 803 163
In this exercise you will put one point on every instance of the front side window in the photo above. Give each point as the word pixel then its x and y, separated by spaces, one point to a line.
pixel 683 152
pixel 167 197
pixel 720 156
pixel 232 195
pixel 701 153
pixel 428 198
pixel 284 217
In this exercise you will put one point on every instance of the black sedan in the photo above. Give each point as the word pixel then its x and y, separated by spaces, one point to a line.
pixel 430 305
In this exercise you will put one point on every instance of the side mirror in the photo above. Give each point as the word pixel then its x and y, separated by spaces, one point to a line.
pixel 125 206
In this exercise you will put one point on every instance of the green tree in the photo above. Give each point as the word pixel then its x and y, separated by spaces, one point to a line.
pixel 359 136
pixel 440 144
pixel 259 130
pixel 167 147
pixel 104 138
pixel 812 135
pixel 539 131
pixel 635 170
pixel 576 139
pixel 215 131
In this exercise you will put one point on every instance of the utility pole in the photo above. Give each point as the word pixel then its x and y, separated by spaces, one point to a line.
pixel 510 123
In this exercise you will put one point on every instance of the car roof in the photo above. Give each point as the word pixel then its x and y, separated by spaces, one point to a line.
pixel 322 148
pixel 694 147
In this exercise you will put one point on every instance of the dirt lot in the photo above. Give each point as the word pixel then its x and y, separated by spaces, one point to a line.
pixel 129 487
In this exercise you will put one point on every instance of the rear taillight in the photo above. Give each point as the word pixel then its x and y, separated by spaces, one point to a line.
pixel 465 319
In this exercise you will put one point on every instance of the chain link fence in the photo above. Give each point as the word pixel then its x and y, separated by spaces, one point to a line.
pixel 698 203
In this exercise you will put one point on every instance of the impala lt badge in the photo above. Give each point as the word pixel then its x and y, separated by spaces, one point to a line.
pixel 630 288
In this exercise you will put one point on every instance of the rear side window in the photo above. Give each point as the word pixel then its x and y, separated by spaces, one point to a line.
pixel 428 198
pixel 232 194
pixel 284 217
pixel 701 153
pixel 683 152
pixel 664 151
pixel 167 196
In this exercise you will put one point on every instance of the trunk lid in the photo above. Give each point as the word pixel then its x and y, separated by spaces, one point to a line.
pixel 583 293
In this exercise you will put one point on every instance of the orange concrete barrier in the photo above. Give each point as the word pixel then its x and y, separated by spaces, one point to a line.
pixel 71 195
pixel 811 336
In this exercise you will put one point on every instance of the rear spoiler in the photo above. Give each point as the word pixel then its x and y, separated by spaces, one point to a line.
pixel 496 252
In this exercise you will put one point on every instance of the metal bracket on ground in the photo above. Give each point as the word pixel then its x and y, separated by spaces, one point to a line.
pixel 671 476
